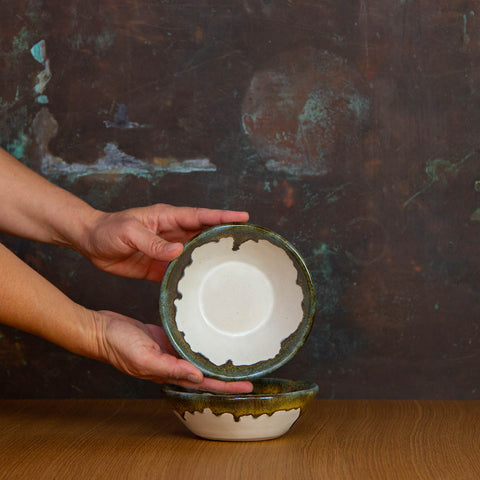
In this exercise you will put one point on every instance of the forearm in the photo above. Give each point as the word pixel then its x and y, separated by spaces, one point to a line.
pixel 30 303
pixel 34 208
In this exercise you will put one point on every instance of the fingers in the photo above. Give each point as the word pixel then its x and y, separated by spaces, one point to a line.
pixel 208 384
pixel 154 246
pixel 165 368
pixel 198 218
pixel 219 386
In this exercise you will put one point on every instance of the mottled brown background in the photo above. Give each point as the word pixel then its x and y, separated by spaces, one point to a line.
pixel 349 127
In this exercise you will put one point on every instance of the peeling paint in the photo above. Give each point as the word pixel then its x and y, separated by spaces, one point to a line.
pixel 39 53
pixel 44 128
pixel 43 78
pixel 115 163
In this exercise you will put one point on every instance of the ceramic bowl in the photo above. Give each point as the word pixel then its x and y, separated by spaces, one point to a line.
pixel 266 413
pixel 238 303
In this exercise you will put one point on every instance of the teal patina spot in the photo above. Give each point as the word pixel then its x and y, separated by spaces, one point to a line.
pixel 17 147
pixel 475 217
pixel 42 99
pixel 332 198
pixel 105 40
pixel 440 169
pixel 358 104
pixel 39 52
pixel 316 109
pixel 326 267
pixel 20 42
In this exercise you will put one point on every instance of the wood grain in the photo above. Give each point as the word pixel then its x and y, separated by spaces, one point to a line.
pixel 351 439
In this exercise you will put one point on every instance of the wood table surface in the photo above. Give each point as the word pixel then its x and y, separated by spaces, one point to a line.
pixel 334 439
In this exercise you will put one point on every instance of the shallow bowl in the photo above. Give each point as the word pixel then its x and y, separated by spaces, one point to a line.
pixel 266 413
pixel 238 303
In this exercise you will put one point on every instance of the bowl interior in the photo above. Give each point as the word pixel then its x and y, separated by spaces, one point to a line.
pixel 239 301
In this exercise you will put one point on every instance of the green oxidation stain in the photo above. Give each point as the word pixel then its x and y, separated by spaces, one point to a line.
pixel 358 104
pixel 441 170
pixel 42 99
pixel 330 285
pixel 105 40
pixel 320 110
pixel 324 253
pixel 437 306
pixel 316 110
pixel 100 43
pixel 475 217
pixel 477 185
pixel 12 133
pixel 20 42
pixel 320 104
pixel 18 146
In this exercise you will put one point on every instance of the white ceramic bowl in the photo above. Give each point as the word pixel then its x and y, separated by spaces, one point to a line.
pixel 238 303
pixel 266 413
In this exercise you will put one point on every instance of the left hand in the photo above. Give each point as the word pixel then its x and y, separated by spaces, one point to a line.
pixel 143 351
pixel 139 242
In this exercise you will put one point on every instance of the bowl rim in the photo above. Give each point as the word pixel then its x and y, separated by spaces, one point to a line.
pixel 304 387
pixel 240 232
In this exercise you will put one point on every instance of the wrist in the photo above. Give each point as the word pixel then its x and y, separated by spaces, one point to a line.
pixel 88 335
pixel 75 233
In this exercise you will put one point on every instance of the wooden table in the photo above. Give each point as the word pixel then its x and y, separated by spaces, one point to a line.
pixel 335 439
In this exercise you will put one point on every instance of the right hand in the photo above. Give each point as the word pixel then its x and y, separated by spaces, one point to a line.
pixel 143 351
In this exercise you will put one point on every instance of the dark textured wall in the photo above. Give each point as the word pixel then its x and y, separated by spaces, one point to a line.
pixel 349 127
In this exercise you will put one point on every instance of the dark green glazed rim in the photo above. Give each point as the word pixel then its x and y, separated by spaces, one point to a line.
pixel 269 396
pixel 240 232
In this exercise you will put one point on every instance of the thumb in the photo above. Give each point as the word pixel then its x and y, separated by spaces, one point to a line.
pixel 154 246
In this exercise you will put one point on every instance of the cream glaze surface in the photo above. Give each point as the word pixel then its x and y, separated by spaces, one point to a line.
pixel 238 305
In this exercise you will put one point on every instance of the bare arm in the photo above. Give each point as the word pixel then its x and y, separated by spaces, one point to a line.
pixel 29 302
pixel 34 208
pixel 137 243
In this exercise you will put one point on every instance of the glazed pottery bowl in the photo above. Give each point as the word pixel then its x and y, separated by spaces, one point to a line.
pixel 266 413
pixel 238 302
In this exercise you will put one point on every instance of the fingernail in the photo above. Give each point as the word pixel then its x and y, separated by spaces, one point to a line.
pixel 194 378
pixel 171 247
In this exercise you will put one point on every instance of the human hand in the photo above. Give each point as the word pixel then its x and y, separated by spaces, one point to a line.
pixel 143 351
pixel 140 242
